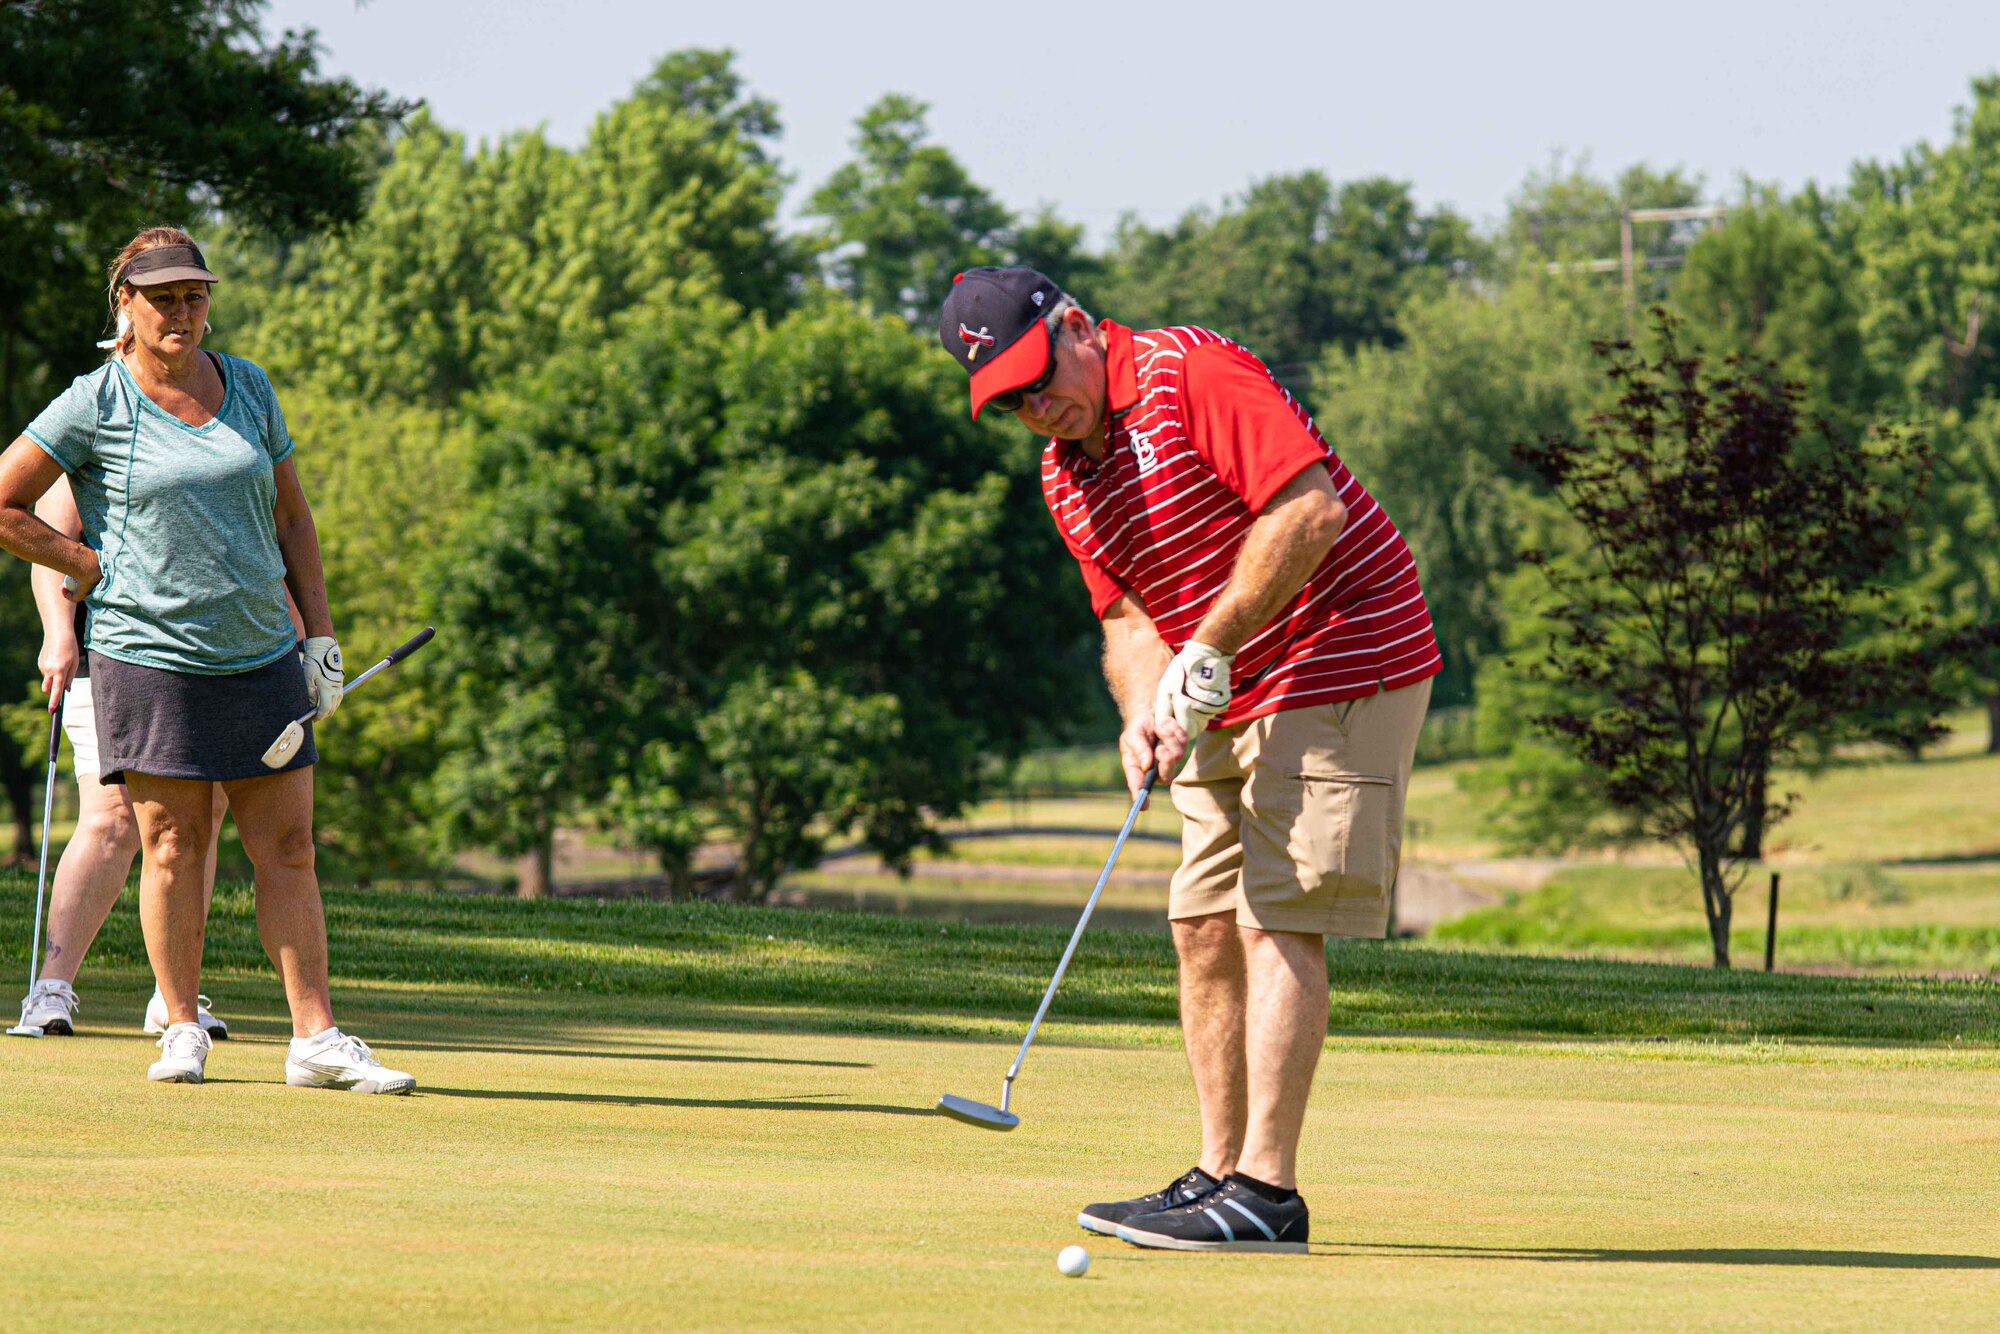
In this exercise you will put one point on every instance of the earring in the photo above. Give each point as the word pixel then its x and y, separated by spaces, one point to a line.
pixel 206 328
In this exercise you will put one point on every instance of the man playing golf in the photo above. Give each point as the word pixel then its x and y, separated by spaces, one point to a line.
pixel 1263 622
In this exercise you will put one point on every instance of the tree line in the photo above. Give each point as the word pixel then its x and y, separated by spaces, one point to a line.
pixel 715 554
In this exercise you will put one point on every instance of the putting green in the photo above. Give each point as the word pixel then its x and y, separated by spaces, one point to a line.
pixel 656 1172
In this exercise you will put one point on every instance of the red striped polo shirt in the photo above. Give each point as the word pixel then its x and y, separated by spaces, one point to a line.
pixel 1200 438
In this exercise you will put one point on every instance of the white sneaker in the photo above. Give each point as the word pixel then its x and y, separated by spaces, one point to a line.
pixel 183 1055
pixel 334 1060
pixel 156 1016
pixel 50 1007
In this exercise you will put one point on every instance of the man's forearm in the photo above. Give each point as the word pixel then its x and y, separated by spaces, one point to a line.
pixel 1134 658
pixel 1279 554
pixel 58 613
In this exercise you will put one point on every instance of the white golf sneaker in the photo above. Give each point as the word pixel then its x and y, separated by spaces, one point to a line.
pixel 334 1060
pixel 156 1016
pixel 50 1007
pixel 183 1055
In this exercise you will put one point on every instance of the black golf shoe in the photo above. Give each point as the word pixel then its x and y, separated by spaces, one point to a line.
pixel 1232 1217
pixel 1105 1218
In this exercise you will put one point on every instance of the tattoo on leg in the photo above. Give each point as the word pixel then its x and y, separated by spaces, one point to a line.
pixel 55 952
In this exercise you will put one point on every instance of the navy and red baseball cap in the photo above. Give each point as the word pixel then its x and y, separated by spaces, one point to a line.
pixel 992 326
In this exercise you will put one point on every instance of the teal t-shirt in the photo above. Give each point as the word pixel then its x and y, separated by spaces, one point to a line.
pixel 180 517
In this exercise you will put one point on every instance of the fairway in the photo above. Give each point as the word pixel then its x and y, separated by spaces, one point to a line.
pixel 587 1150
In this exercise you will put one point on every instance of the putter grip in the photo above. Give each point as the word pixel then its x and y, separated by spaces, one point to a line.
pixel 55 731
pixel 416 641
pixel 1152 776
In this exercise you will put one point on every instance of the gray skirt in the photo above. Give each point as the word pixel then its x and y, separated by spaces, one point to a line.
pixel 179 725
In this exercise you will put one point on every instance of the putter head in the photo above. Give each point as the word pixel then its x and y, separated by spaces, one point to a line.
pixel 25 1031
pixel 980 1114
pixel 286 746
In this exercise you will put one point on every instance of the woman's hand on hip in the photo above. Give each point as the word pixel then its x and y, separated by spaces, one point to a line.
pixel 78 587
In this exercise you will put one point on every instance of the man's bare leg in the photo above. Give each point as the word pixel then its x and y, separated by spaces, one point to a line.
pixel 1212 1024
pixel 1286 1029
pixel 90 875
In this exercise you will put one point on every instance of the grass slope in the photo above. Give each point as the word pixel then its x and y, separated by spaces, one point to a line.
pixel 1869 806
pixel 637 1116
pixel 868 973
pixel 1855 916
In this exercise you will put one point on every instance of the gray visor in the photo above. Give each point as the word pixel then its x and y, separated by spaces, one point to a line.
pixel 166 264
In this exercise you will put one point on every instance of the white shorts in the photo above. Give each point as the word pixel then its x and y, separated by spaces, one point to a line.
pixel 80 726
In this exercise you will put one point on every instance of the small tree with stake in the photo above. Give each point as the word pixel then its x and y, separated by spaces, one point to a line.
pixel 1724 605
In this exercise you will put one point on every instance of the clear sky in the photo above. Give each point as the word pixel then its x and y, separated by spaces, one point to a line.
pixel 1101 108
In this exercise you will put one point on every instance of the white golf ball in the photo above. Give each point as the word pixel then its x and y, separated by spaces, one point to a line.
pixel 1073 1261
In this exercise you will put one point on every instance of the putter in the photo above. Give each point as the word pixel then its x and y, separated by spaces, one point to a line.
pixel 985 1115
pixel 42 878
pixel 294 735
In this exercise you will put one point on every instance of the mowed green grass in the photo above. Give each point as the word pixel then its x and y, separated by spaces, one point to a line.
pixel 635 1115
pixel 1871 805
pixel 1857 915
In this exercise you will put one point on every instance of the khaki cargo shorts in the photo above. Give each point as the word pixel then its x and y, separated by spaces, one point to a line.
pixel 1294 822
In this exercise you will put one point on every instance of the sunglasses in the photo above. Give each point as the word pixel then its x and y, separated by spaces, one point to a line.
pixel 1012 400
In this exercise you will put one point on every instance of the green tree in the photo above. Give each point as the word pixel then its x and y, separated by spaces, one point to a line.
pixel 709 501
pixel 391 308
pixel 1924 233
pixel 904 216
pixel 1428 426
pixel 1537 795
pixel 1927 241
pixel 24 716
pixel 123 114
pixel 469 265
pixel 1729 609
pixel 1954 567
pixel 387 483
pixel 1773 281
pixel 119 115
pixel 660 803
pixel 1296 266
pixel 677 185
pixel 793 758
pixel 1567 213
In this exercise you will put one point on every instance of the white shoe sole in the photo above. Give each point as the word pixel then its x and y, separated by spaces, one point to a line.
pixel 217 1031
pixel 173 1076
pixel 1097 1225
pixel 306 1079
pixel 1159 1242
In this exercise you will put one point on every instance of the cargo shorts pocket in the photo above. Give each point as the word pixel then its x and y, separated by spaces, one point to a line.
pixel 1342 842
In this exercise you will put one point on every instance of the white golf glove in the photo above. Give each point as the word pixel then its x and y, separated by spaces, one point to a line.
pixel 326 680
pixel 1195 690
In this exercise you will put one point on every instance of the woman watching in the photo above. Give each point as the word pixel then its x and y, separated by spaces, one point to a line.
pixel 98 858
pixel 194 527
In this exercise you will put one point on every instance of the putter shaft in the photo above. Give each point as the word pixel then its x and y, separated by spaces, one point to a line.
pixel 1103 878
pixel 48 816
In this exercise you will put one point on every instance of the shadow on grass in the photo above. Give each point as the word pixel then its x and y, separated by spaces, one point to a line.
pixel 694 1058
pixel 1982 857
pixel 801 1103
pixel 1720 1255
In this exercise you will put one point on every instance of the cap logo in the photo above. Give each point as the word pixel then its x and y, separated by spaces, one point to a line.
pixel 974 341
pixel 1036 298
